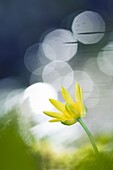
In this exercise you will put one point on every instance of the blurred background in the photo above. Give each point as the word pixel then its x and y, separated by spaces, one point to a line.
pixel 45 45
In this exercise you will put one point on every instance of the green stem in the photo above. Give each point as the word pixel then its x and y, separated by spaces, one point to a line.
pixel 89 135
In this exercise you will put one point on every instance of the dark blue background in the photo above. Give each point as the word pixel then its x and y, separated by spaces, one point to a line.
pixel 22 23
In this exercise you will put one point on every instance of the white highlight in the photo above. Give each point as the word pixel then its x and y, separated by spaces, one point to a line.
pixel 38 96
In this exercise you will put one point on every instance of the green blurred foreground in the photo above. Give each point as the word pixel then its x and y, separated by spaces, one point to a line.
pixel 20 151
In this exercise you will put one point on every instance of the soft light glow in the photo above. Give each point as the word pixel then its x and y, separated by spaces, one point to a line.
pixel 93 99
pixel 58 73
pixel 56 134
pixel 85 82
pixel 37 96
pixel 105 59
pixel 57 45
pixel 31 57
pixel 13 99
pixel 99 78
pixel 42 56
pixel 36 75
pixel 8 86
pixel 90 23
pixel 11 82
pixel 34 59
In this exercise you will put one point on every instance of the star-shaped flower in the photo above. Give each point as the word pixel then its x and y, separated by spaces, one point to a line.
pixel 70 110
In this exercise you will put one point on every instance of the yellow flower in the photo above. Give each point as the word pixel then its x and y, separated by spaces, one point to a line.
pixel 70 111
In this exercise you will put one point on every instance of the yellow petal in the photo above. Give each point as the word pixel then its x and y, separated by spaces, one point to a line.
pixel 71 110
pixel 79 107
pixel 67 97
pixel 55 120
pixel 78 93
pixel 54 114
pixel 58 105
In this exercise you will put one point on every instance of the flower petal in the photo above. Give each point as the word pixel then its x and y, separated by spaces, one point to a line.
pixel 55 120
pixel 69 122
pixel 54 114
pixel 67 97
pixel 84 111
pixel 79 107
pixel 78 93
pixel 71 110
pixel 58 105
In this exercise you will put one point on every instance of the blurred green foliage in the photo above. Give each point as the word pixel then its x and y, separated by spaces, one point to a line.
pixel 17 154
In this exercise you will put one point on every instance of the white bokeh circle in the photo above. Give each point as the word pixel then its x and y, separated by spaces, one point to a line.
pixel 57 45
pixel 34 58
pixel 31 57
pixel 58 74
pixel 88 27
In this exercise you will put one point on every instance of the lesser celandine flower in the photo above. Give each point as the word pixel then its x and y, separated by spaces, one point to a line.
pixel 71 111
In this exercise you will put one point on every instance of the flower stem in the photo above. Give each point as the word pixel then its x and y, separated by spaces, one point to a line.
pixel 90 136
